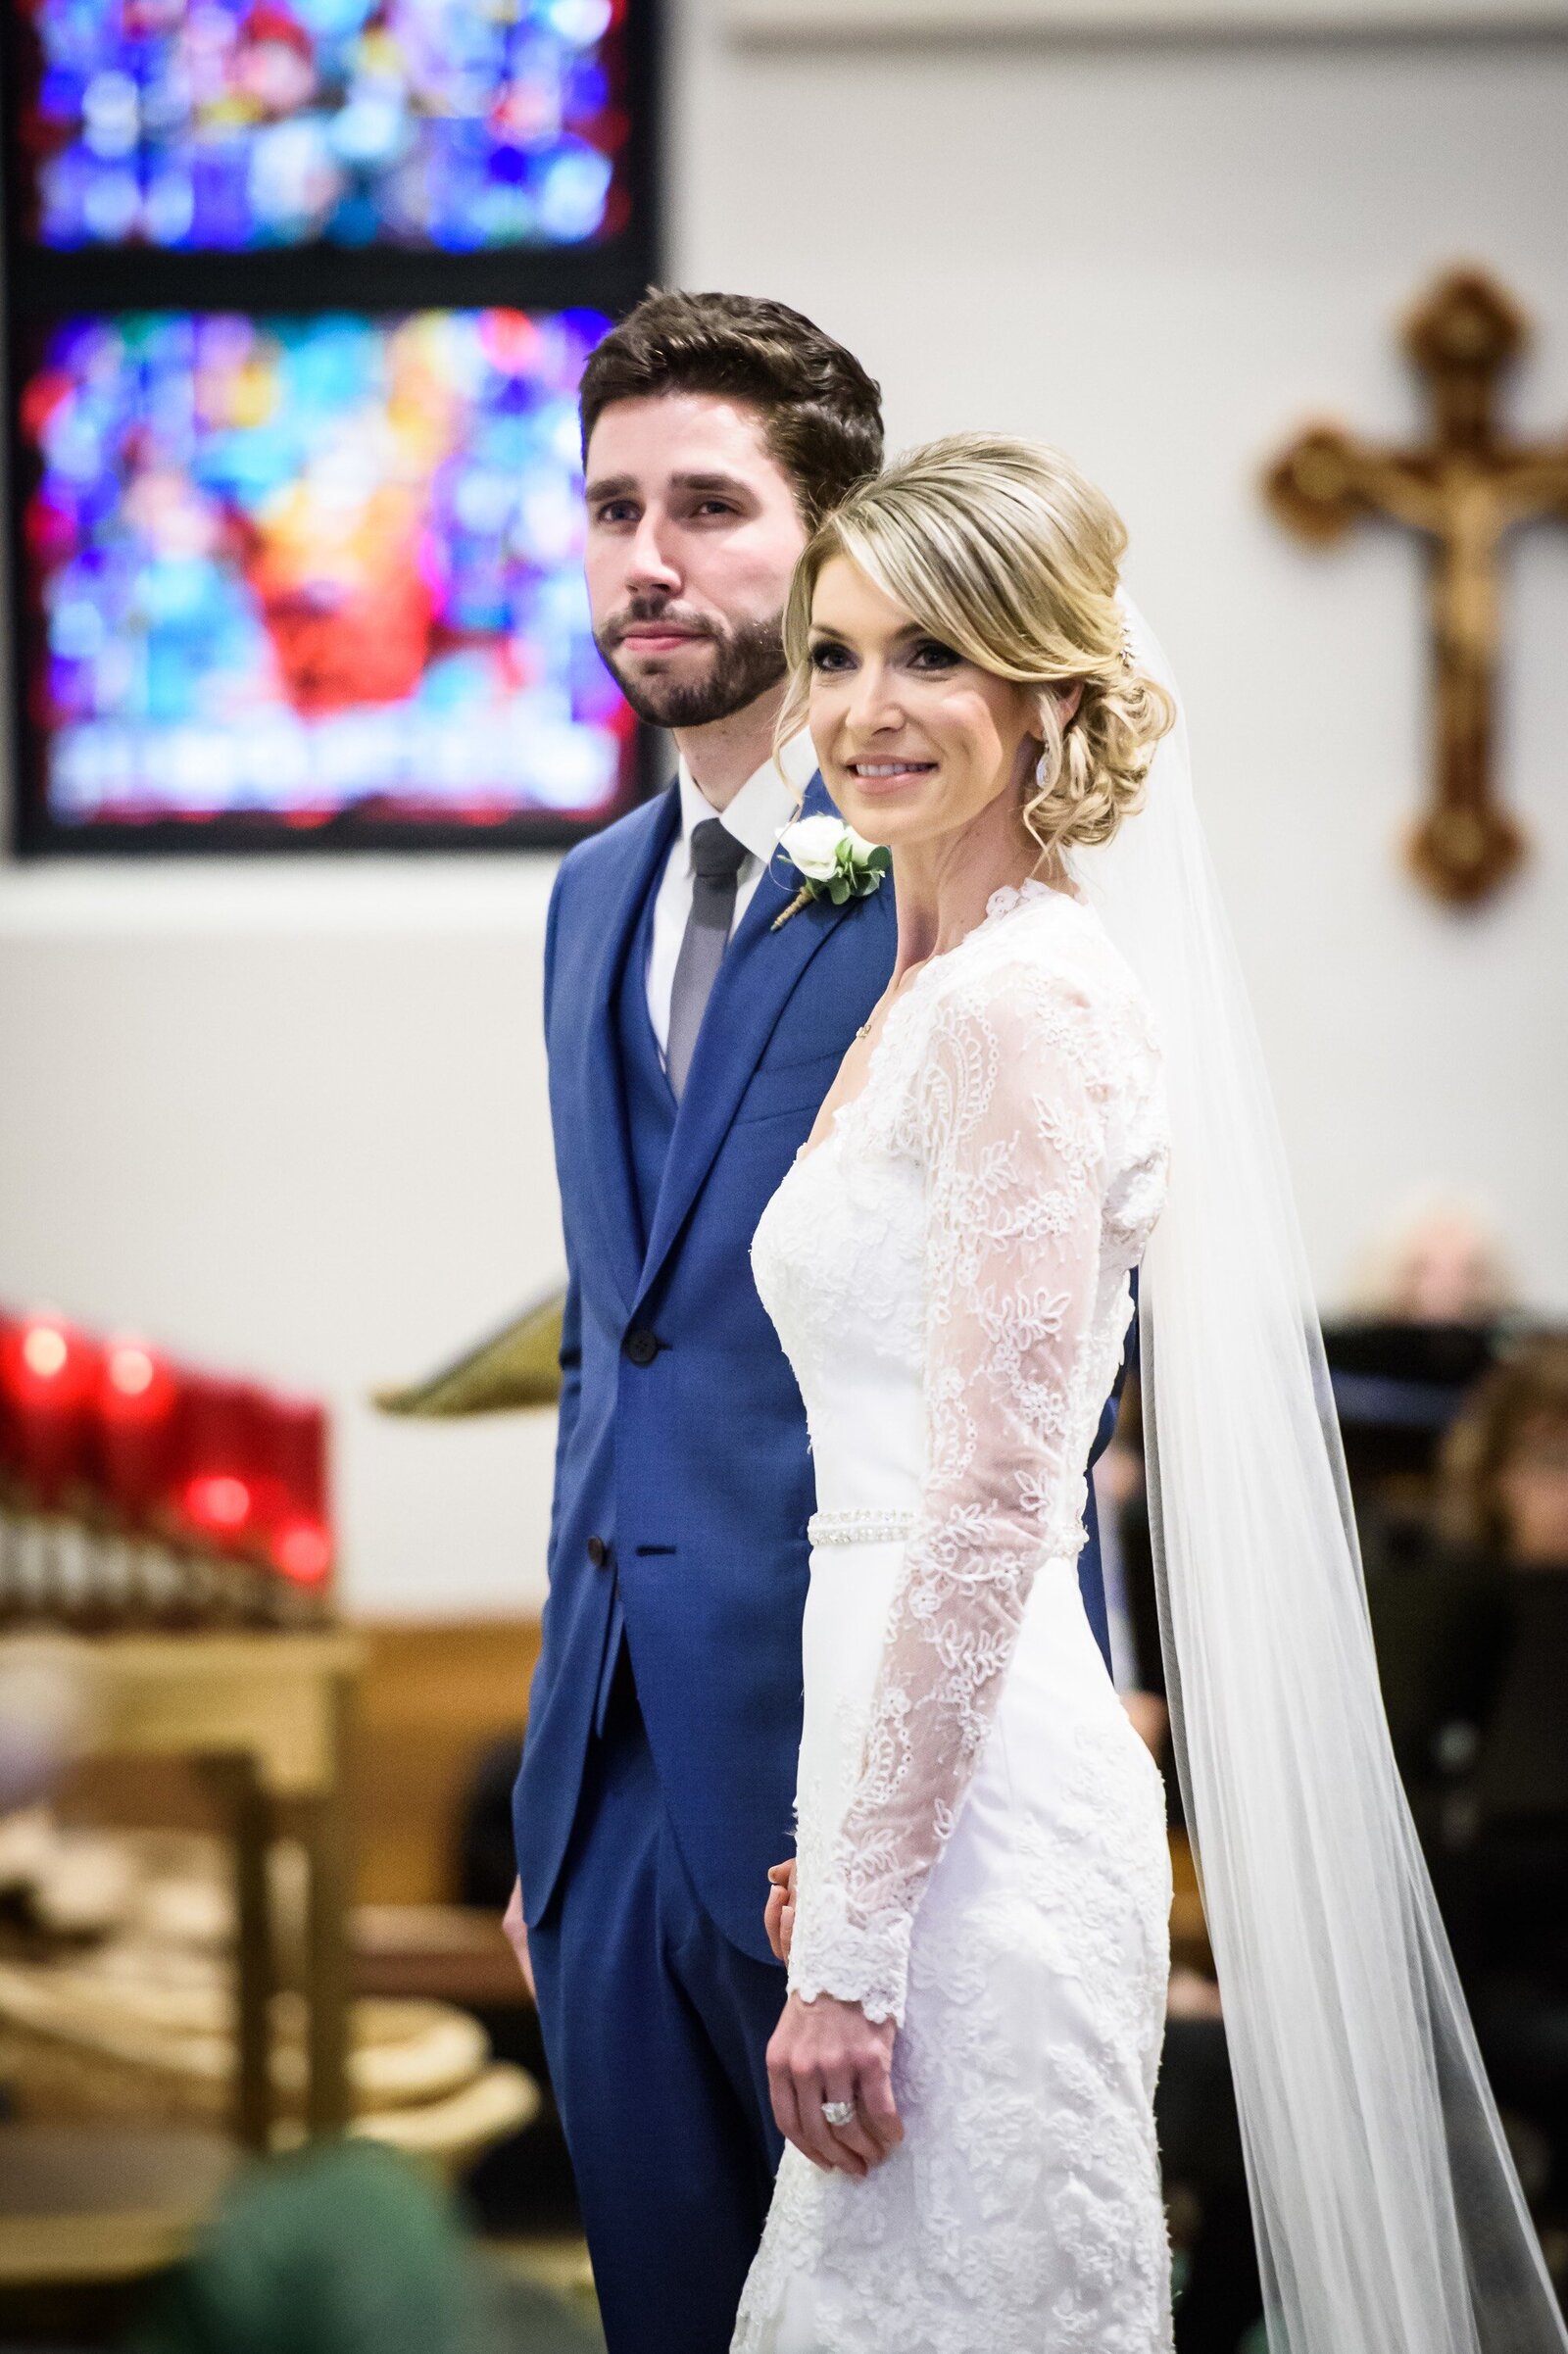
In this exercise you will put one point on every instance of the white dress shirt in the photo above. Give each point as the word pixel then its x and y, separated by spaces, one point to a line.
pixel 768 801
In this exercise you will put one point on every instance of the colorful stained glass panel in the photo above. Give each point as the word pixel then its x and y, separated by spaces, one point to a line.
pixel 298 568
pixel 222 125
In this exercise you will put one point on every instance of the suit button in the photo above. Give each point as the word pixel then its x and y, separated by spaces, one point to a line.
pixel 642 1346
pixel 597 1552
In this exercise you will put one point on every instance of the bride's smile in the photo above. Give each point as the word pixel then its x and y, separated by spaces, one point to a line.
pixel 927 752
pixel 914 741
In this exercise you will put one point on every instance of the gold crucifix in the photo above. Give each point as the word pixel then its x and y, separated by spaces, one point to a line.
pixel 1461 490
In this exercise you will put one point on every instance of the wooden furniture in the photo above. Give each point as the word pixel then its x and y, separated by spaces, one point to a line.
pixel 431 1697
pixel 267 1717
pixel 77 2208
pixel 440 1952
pixel 434 1698
pixel 265 1720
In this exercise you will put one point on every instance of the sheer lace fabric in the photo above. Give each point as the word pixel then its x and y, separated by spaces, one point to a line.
pixel 981 1844
pixel 1024 1087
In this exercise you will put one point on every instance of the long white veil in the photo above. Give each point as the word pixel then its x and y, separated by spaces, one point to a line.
pixel 1389 2215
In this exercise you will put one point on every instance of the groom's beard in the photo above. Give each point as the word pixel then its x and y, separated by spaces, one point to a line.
pixel 748 660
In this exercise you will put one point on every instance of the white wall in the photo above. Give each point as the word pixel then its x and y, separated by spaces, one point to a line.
pixel 293 1119
pixel 1165 261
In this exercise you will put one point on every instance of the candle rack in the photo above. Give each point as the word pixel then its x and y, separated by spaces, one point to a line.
pixel 140 1495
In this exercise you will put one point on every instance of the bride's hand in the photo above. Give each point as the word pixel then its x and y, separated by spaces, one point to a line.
pixel 829 2050
pixel 780 1917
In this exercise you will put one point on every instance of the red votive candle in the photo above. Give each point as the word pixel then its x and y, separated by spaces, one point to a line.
pixel 136 1411
pixel 47 1374
pixel 300 1540
pixel 219 1475
pixel 8 1428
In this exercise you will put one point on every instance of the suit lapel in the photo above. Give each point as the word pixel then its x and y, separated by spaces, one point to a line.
pixel 612 1183
pixel 760 970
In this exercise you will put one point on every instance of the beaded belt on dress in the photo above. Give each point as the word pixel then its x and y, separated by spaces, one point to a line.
pixel 864 1524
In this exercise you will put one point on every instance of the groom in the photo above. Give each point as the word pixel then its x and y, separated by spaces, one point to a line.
pixel 690 1046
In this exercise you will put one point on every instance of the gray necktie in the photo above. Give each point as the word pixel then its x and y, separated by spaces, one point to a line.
pixel 716 858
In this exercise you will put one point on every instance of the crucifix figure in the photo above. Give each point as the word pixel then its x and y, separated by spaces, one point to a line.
pixel 1461 490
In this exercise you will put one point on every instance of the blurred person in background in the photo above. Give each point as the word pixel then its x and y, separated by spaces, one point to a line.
pixel 1440 1260
pixel 1431 1302
pixel 1472 1635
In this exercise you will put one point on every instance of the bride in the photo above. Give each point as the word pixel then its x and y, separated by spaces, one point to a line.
pixel 975 1925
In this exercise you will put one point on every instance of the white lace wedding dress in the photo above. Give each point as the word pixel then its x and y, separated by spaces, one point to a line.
pixel 982 1836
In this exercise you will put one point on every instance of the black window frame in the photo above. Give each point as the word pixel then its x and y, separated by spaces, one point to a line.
pixel 44 286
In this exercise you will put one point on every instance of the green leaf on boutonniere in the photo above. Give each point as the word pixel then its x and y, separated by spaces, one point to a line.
pixel 834 861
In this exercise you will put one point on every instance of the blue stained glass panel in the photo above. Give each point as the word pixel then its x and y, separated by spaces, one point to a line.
pixel 225 124
pixel 297 567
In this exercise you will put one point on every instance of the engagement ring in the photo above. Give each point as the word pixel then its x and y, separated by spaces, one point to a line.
pixel 839 2112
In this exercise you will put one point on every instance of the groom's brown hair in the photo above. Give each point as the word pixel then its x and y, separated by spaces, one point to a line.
pixel 821 413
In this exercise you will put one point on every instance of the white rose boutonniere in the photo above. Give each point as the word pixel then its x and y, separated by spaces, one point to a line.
pixel 837 863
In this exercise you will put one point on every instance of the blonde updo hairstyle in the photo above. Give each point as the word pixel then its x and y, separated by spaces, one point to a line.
pixel 1003 551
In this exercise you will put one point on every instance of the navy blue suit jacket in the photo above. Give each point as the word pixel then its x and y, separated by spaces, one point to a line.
pixel 682 1472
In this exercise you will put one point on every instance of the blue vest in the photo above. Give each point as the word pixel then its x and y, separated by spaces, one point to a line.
pixel 650 1098
pixel 650 1109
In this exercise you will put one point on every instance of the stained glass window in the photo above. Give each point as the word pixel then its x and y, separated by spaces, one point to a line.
pixel 288 568
pixel 228 124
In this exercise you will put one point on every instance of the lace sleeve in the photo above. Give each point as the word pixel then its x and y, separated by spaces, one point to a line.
pixel 1011 1125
